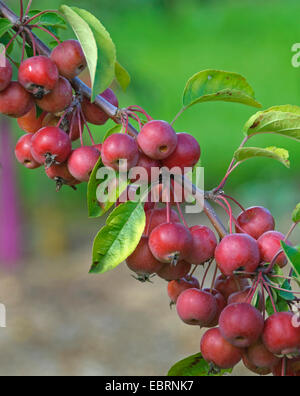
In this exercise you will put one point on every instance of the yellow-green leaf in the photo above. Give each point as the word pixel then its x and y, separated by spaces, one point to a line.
pixel 122 76
pixel 276 153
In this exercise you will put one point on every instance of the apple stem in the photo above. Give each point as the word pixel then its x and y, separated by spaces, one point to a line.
pixel 205 273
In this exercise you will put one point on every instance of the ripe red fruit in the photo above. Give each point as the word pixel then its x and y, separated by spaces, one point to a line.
pixel 118 147
pixel 257 370
pixel 176 287
pixel 170 242
pixel 61 175
pixel 196 307
pixel 228 285
pixel 171 272
pixel 269 246
pixel 59 98
pixel 215 349
pixel 260 357
pixel 51 145
pixel 241 324
pixel 38 75
pixel 146 164
pixel 280 336
pixel 93 113
pixel 82 162
pixel 221 304
pixel 241 297
pixel 69 58
pixel 292 368
pixel 155 217
pixel 255 221
pixel 23 152
pixel 186 154
pixel 30 123
pixel 6 72
pixel 237 251
pixel 204 245
pixel 15 101
pixel 157 140
pixel 142 262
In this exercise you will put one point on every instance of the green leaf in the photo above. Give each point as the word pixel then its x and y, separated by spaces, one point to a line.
pixel 296 214
pixel 51 19
pixel 277 271
pixel 283 120
pixel 195 365
pixel 5 25
pixel 5 40
pixel 122 76
pixel 112 131
pixel 216 85
pixel 286 295
pixel 119 237
pixel 97 45
pixel 281 306
pixel 279 154
pixel 293 255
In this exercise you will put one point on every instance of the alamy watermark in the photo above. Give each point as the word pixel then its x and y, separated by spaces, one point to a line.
pixel 296 317
pixel 296 56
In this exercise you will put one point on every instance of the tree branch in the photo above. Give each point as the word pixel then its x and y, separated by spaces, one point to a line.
pixel 112 111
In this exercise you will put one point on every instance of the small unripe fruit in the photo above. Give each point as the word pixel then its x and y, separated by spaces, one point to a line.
pixel 255 221
pixel 227 285
pixel 51 145
pixel 269 245
pixel 171 272
pixel 23 152
pixel 196 307
pixel 241 324
pixel 215 349
pixel 176 287
pixel 280 335
pixel 157 140
pixel 59 98
pixel 170 242
pixel 82 162
pixel 204 245
pixel 237 251
pixel 30 123
pixel 93 113
pixel 186 154
pixel 6 73
pixel 141 261
pixel 15 101
pixel 117 148
pixel 38 75
pixel 69 58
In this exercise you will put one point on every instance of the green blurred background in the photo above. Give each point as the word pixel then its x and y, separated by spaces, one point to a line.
pixel 162 43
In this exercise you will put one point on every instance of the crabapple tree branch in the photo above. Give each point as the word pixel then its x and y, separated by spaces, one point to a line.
pixel 112 111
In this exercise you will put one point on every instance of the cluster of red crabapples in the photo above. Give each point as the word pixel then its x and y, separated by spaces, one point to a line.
pixel 231 309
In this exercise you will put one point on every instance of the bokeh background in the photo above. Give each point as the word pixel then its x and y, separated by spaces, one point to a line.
pixel 62 321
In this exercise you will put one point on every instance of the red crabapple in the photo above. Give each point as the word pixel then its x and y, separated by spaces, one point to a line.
pixel 155 217
pixel 61 175
pixel 93 113
pixel 269 245
pixel 227 285
pixel 170 242
pixel 82 162
pixel 176 287
pixel 241 324
pixel 237 251
pixel 241 297
pixel 58 99
pixel 119 147
pixel 157 140
pixel 186 154
pixel 30 123
pixel 15 101
pixel 257 370
pixel 221 304
pixel 255 221
pixel 6 72
pixel 23 152
pixel 38 75
pixel 69 58
pixel 171 272
pixel 260 357
pixel 196 307
pixel 51 145
pixel 147 164
pixel 142 262
pixel 292 368
pixel 280 336
pixel 204 245
pixel 215 349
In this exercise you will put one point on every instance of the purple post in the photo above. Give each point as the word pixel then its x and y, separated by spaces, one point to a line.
pixel 10 224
